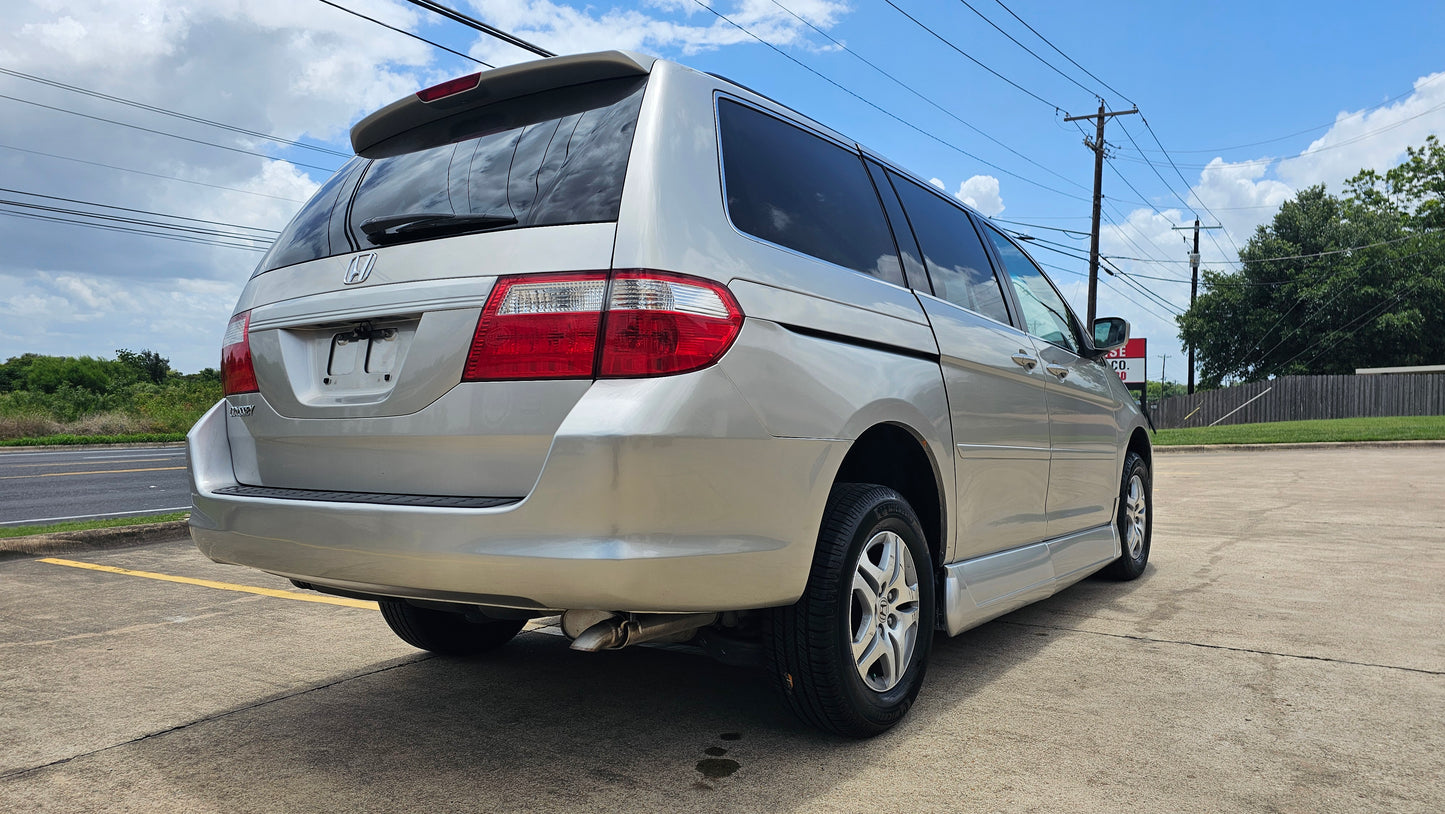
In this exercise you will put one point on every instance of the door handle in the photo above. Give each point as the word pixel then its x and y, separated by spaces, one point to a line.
pixel 1024 360
pixel 1057 370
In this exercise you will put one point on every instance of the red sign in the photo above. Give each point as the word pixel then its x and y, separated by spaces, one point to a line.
pixel 1129 361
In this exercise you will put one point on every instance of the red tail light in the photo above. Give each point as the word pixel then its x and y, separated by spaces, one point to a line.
pixel 238 375
pixel 653 324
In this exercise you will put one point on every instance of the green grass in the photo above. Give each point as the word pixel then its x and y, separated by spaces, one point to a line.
pixel 1398 428
pixel 67 440
pixel 84 525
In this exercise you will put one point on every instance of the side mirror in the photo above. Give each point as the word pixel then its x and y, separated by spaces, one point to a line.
pixel 1110 333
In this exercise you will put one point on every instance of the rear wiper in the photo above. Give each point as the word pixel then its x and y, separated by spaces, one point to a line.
pixel 396 228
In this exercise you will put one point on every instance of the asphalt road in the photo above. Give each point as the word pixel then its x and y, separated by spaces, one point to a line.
pixel 90 484
pixel 1285 652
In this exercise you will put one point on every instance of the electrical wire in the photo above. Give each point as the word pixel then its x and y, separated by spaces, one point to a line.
pixel 925 98
pixel 475 24
pixel 883 110
pixel 131 230
pixel 151 174
pixel 163 111
pixel 1051 66
pixel 170 135
pixel 138 211
pixel 210 233
pixel 408 33
pixel 1064 55
pixel 970 57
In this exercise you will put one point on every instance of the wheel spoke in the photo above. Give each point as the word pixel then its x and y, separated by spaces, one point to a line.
pixel 868 648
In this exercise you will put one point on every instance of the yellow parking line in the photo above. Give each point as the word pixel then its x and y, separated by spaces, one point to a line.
pixel 69 463
pixel 208 583
pixel 96 472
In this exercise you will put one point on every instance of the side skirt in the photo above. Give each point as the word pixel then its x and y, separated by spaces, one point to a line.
pixel 980 589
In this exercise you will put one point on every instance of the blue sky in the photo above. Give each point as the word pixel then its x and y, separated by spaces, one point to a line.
pixel 1316 90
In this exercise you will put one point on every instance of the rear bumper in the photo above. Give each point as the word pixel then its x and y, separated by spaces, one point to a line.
pixel 657 495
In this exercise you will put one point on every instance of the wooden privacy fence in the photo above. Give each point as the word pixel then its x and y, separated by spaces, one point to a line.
pixel 1295 398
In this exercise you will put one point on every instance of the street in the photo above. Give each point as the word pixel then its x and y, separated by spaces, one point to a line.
pixel 53 486
pixel 1284 652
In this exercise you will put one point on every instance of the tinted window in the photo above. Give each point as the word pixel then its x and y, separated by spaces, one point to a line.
pixel 541 161
pixel 307 236
pixel 956 259
pixel 1044 311
pixel 790 187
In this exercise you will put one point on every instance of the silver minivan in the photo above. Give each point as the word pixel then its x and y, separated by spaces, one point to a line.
pixel 604 337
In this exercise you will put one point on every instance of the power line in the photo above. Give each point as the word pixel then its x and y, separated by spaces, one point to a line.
pixel 211 233
pixel 1188 188
pixel 473 23
pixel 151 174
pixel 883 110
pixel 131 230
pixel 163 111
pixel 985 18
pixel 164 133
pixel 138 211
pixel 408 33
pixel 1062 54
pixel 970 58
pixel 925 98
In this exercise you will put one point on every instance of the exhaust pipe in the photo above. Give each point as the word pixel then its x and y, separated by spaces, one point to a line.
pixel 616 632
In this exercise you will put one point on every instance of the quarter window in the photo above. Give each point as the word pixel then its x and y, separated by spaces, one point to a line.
pixel 790 187
pixel 956 259
pixel 1044 310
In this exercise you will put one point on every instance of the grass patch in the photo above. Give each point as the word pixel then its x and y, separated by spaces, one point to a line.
pixel 84 525
pixel 68 439
pixel 1395 428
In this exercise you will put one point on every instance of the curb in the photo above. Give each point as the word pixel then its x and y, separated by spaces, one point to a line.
pixel 70 542
pixel 83 447
pixel 1296 446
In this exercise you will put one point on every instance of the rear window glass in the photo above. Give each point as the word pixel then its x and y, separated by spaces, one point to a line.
pixel 793 188
pixel 563 165
pixel 957 261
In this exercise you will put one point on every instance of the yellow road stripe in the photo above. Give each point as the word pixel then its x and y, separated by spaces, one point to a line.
pixel 96 472
pixel 208 583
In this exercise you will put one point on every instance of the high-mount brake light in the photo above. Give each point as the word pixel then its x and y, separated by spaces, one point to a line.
pixel 451 87
pixel 238 374
pixel 649 323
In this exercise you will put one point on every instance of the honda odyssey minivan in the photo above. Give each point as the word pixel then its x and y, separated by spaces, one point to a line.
pixel 605 337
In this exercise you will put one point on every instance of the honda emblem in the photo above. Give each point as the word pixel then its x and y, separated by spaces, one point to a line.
pixel 360 268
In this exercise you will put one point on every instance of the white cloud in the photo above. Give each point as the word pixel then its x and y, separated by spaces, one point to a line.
pixel 567 30
pixel 981 193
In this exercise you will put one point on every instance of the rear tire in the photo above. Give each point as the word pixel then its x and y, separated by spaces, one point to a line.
pixel 850 656
pixel 449 634
pixel 1135 520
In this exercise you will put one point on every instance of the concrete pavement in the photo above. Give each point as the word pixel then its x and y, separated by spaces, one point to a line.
pixel 1283 653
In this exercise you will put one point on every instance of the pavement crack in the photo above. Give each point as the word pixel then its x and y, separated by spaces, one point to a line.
pixel 1153 640
pixel 15 773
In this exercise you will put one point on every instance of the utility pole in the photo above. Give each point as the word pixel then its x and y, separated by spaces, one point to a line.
pixel 1193 285
pixel 1097 145
pixel 1163 365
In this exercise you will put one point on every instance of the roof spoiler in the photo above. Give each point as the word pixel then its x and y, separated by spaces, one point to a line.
pixel 369 137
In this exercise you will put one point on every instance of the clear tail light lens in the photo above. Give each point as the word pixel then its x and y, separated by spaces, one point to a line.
pixel 238 375
pixel 648 323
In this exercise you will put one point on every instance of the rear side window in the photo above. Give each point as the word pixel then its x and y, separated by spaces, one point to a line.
pixel 956 259
pixel 799 190
pixel 553 159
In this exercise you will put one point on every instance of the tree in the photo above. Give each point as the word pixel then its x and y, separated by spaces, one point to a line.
pixel 1307 300
pixel 147 366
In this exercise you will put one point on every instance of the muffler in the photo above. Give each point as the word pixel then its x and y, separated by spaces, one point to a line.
pixel 615 632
